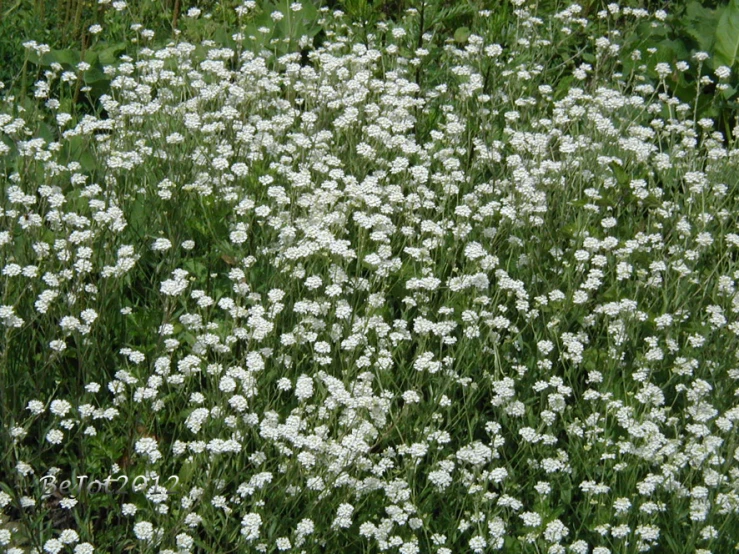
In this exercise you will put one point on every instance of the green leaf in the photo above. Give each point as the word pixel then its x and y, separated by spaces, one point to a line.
pixel 46 132
pixel 223 38
pixel 727 36
pixel 461 35
pixel 186 472
pixel 88 161
pixel 67 57
pixel 91 57
pixel 701 23
pixel 94 75
pixel 109 55
pixel 621 176
pixel 566 493
pixel 670 51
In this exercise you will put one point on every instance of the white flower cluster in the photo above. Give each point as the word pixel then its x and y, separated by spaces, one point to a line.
pixel 423 314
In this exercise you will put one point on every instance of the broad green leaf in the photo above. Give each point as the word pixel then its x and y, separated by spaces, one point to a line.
pixel 88 161
pixel 223 38
pixel 109 55
pixel 94 75
pixel 461 35
pixel 670 51
pixel 91 57
pixel 46 132
pixel 701 23
pixel 727 36
pixel 728 93
pixel 68 57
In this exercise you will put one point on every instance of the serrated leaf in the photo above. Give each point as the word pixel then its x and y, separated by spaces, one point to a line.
pixel 726 50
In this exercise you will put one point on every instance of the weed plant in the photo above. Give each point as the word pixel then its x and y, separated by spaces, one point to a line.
pixel 394 293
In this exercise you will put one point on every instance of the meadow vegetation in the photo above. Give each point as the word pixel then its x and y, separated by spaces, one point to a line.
pixel 300 278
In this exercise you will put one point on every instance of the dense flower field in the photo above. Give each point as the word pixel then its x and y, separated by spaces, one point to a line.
pixel 322 302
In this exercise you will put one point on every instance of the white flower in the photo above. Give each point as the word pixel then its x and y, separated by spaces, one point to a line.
pixel 176 286
pixel 440 479
pixel 543 488
pixel 129 509
pixel 545 346
pixel 144 531
pixel 608 222
pixel 398 32
pixel 478 544
pixel 343 516
pixel 227 384
pixel 723 72
pixel 250 525
pixel 555 531
pixel 161 245
pixel 531 519
pixel 305 527
pixel 55 436
pixel 69 536
pixel 89 316
pixel 36 407
pixel 53 546
pixel 648 533
pixel 313 282
pixel 622 505
pixel 476 454
pixel 58 345
pixel 60 407
pixel 498 474
pixel 700 56
pixel 148 447
pixel 411 397
pixel 24 469
pixel 304 387
pixel 184 542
